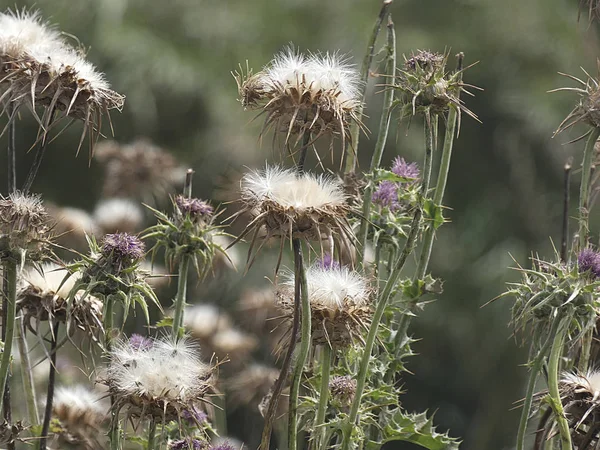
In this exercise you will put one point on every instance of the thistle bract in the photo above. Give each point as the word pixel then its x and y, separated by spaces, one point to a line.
pixel 342 389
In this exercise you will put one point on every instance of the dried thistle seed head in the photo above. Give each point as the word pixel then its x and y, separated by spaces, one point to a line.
pixel 317 94
pixel 40 68
pixel 339 301
pixel 588 108
pixel 591 7
pixel 342 390
pixel 161 381
pixel 250 385
pixel 291 205
pixel 204 320
pixel 426 88
pixel 581 392
pixel 47 293
pixel 256 309
pixel 586 386
pixel 588 261
pixel 234 344
pixel 73 225
pixel 119 215
pixel 25 228
pixel 80 410
pixel 140 171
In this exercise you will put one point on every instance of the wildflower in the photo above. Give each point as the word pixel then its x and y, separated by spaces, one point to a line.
pixel 386 195
pixel 188 444
pixel 81 413
pixel 251 384
pixel 404 169
pixel 327 262
pixel 139 170
pixel 588 108
pixel 290 205
pixel 161 381
pixel 46 293
pixel 588 260
pixel 188 232
pixel 40 68
pixel 122 250
pixel 339 302
pixel 426 88
pixel 194 416
pixel 317 94
pixel 342 390
pixel 224 444
pixel 24 227
pixel 119 215
pixel 139 342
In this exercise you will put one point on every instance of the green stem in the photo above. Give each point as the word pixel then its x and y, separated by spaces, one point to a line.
pixel 305 339
pixel 10 268
pixel 536 367
pixel 27 376
pixel 586 350
pixel 181 295
pixel 389 288
pixel 319 427
pixel 50 391
pixel 352 146
pixel 584 192
pixel 114 433
pixel 384 126
pixel 553 390
pixel 151 435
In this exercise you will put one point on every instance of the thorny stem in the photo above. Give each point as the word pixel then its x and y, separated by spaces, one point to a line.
pixel 384 125
pixel 115 431
pixel 37 160
pixel 352 146
pixel 10 270
pixel 300 290
pixel 565 224
pixel 385 296
pixel 553 390
pixel 50 391
pixel 323 397
pixel 584 192
pixel 536 367
pixel 151 435
pixel 27 376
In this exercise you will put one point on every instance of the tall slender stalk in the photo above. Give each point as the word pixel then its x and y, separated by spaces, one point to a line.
pixel 50 390
pixel 389 288
pixel 151 435
pixel 566 200
pixel 39 156
pixel 10 271
pixel 553 390
pixel 384 125
pixel 27 376
pixel 352 146
pixel 321 442
pixel 584 191
pixel 305 339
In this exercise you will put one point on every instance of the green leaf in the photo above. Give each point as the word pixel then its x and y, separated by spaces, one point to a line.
pixel 433 213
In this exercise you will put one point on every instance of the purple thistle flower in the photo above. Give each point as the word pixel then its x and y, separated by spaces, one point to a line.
pixel 225 445
pixel 405 170
pixel 194 416
pixel 327 262
pixel 139 342
pixel 188 444
pixel 195 207
pixel 589 261
pixel 387 195
pixel 123 248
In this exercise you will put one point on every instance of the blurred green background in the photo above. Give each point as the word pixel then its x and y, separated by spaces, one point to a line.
pixel 172 59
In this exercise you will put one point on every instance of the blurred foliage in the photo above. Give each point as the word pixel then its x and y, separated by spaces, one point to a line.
pixel 173 60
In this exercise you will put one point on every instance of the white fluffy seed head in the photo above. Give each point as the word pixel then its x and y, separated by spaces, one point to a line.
pixel 333 288
pixel 53 281
pixel 76 404
pixel 204 320
pixel 22 32
pixel 288 189
pixel 119 214
pixel 166 372
pixel 588 383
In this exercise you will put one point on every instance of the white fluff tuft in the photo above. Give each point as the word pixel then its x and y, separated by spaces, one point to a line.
pixel 204 320
pixel 119 214
pixel 333 288
pixel 78 400
pixel 51 282
pixel 291 190
pixel 23 32
pixel 167 371
pixel 590 382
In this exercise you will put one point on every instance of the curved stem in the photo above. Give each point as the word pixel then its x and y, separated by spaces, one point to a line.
pixel 50 391
pixel 181 295
pixel 305 339
pixel 584 191
pixel 536 367
pixel 553 390
pixel 389 288
pixel 384 125
pixel 27 376
pixel 352 146
pixel 10 269
pixel 320 429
